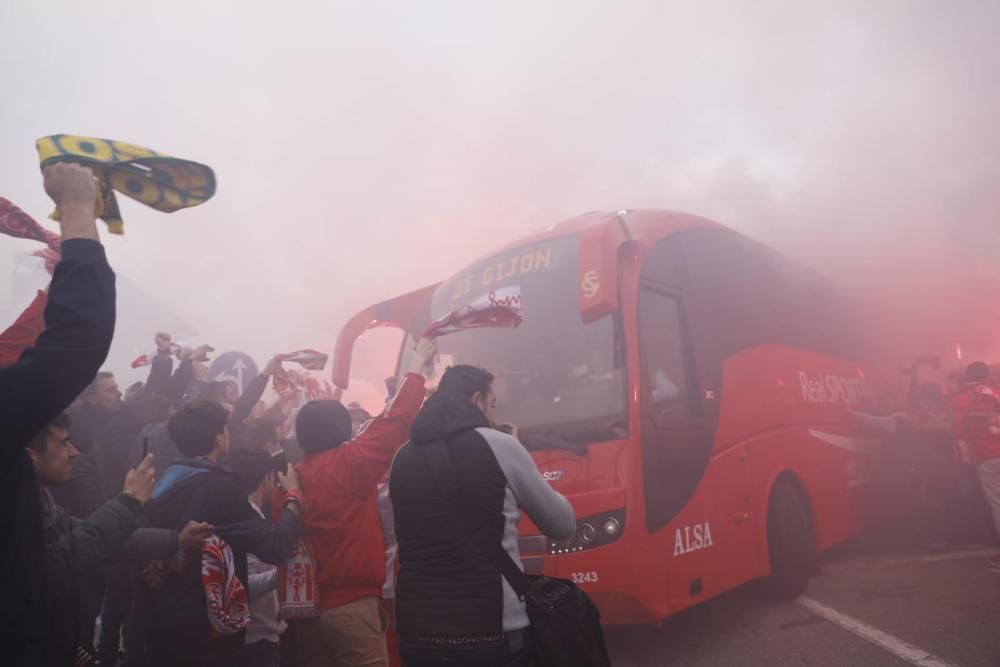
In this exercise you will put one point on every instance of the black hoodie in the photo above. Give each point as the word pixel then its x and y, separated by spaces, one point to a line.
pixel 447 588
pixel 199 490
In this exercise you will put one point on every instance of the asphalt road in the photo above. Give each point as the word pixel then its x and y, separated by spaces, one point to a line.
pixel 931 610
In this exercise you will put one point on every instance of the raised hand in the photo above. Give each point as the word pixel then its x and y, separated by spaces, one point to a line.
pixel 139 481
pixel 73 188
pixel 424 355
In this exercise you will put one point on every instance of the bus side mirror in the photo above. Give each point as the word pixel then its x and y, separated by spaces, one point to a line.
pixel 403 311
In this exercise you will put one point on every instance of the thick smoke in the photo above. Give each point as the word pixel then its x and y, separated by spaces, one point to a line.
pixel 365 149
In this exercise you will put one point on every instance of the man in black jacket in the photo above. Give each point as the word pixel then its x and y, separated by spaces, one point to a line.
pixel 80 322
pixel 77 549
pixel 452 605
pixel 196 488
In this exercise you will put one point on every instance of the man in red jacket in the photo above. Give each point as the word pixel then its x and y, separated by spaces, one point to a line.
pixel 342 527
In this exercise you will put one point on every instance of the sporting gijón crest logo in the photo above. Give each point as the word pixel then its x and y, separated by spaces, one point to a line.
pixel 692 538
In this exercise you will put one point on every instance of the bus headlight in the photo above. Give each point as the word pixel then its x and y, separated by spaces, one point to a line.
pixel 592 531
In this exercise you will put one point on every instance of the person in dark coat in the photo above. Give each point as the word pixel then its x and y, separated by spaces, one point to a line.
pixel 179 631
pixel 77 549
pixel 98 425
pixel 42 383
pixel 452 605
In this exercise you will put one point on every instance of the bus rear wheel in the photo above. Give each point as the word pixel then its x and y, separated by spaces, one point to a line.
pixel 789 543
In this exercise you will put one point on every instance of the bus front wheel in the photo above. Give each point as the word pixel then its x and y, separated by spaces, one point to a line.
pixel 789 543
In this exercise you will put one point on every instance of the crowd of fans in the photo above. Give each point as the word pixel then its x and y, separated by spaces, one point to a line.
pixel 938 470
pixel 185 523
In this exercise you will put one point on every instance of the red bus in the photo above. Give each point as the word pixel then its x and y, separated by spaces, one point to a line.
pixel 687 388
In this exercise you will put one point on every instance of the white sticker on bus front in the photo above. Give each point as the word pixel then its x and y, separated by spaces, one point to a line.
pixel 584 577
pixel 692 538
pixel 552 475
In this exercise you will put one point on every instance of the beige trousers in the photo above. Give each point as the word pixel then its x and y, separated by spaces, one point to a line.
pixel 352 635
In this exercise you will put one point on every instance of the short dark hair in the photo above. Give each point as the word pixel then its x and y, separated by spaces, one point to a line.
pixel 322 425
pixel 195 427
pixel 40 442
pixel 465 380
pixel 249 467
pixel 261 431
pixel 977 371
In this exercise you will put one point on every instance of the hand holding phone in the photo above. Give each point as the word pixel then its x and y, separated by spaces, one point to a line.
pixel 279 462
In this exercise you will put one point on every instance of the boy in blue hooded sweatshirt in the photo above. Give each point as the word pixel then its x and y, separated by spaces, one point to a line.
pixel 196 488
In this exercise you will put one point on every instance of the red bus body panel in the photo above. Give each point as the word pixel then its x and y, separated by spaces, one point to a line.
pixel 781 411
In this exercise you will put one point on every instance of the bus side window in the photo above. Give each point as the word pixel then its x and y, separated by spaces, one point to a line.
pixel 661 344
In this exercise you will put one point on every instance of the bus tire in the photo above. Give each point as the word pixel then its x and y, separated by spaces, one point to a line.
pixel 789 543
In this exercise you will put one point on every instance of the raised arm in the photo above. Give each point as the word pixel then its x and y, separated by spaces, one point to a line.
pixel 101 537
pixel 161 367
pixel 366 459
pixel 253 534
pixel 79 317
pixel 548 508
pixel 254 391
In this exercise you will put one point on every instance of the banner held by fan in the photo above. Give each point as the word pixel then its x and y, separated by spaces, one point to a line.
pixel 15 222
pixel 497 309
pixel 311 360
pixel 155 179
pixel 174 350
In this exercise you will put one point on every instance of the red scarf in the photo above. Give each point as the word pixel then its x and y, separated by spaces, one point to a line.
pixel 226 598
pixel 498 309
pixel 308 359
pixel 15 222
pixel 298 590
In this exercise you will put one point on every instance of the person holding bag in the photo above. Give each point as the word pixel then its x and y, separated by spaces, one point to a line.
pixel 457 491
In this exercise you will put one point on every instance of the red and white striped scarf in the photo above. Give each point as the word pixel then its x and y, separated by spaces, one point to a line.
pixel 227 602
pixel 298 589
pixel 497 309
pixel 15 222
pixel 309 359
pixel 147 359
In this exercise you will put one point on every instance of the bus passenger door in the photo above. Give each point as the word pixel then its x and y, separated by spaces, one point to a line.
pixel 676 444
pixel 736 523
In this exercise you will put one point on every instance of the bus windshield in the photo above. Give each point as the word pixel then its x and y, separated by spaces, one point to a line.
pixel 561 382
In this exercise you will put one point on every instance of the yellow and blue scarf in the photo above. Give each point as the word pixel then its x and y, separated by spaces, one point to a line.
pixel 157 180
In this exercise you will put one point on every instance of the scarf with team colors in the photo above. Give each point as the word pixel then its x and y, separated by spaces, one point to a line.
pixel 298 588
pixel 15 222
pixel 226 599
pixel 155 179
pixel 497 309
